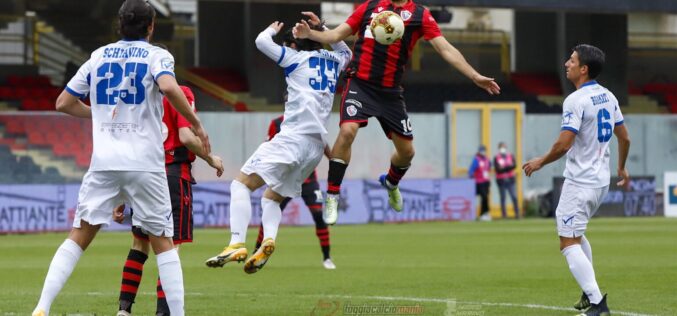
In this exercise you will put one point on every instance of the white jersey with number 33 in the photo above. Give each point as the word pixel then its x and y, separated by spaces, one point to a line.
pixel 120 79
pixel 591 112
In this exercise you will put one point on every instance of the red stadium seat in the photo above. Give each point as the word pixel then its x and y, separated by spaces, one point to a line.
pixel 5 93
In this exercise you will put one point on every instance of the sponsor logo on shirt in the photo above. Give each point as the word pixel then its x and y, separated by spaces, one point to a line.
pixel 167 63
pixel 566 118
pixel 354 102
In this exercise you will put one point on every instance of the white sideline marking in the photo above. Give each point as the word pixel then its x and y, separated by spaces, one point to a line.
pixel 401 298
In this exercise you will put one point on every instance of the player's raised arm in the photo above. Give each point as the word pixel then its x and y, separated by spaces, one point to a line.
pixel 174 94
pixel 452 56
pixel 264 42
pixel 623 149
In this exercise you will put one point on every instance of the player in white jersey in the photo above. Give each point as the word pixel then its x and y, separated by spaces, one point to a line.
pixel 124 81
pixel 591 116
pixel 285 161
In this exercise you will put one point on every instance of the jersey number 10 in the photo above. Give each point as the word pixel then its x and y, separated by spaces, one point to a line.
pixel 111 75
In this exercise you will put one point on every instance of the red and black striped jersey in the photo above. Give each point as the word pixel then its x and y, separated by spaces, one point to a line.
pixel 178 158
pixel 380 64
pixel 273 129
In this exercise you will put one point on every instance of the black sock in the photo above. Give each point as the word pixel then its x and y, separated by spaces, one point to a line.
pixel 162 307
pixel 337 170
pixel 322 232
pixel 131 277
pixel 395 174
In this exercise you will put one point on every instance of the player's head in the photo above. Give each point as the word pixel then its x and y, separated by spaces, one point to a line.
pixel 136 19
pixel 502 148
pixel 586 61
pixel 482 150
pixel 302 44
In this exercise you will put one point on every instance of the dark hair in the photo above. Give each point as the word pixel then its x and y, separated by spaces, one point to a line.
pixel 303 44
pixel 592 57
pixel 135 16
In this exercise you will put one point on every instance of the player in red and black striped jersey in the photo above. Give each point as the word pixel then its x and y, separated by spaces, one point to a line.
pixel 373 87
pixel 312 196
pixel 180 146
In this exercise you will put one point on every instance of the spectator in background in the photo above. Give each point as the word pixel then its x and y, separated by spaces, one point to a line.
pixel 479 170
pixel 504 165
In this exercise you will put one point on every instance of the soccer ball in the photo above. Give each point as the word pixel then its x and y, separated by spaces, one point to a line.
pixel 387 27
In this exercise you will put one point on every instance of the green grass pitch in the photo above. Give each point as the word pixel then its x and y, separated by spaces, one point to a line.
pixel 497 268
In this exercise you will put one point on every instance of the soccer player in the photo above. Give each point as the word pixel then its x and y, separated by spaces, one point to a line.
pixel 373 88
pixel 180 145
pixel 310 192
pixel 284 162
pixel 591 116
pixel 124 81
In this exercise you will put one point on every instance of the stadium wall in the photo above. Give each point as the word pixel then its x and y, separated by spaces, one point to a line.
pixel 236 135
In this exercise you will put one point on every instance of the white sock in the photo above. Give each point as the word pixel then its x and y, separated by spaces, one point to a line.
pixel 587 249
pixel 63 263
pixel 271 218
pixel 240 211
pixel 171 276
pixel 583 272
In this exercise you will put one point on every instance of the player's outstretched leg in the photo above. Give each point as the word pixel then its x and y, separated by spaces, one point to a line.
pixel 63 263
pixel 399 164
pixel 271 218
pixel 240 215
pixel 338 164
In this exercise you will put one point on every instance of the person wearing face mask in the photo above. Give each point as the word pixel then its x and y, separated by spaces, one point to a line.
pixel 504 165
pixel 479 170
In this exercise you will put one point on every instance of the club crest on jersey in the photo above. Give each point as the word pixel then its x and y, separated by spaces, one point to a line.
pixel 351 110
pixel 406 15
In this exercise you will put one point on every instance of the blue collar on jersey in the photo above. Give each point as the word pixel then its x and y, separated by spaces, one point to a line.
pixel 589 83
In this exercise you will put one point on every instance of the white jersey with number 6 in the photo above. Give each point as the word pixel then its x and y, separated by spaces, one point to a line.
pixel 591 112
pixel 120 79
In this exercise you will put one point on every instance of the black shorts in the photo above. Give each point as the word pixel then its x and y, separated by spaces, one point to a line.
pixel 311 194
pixel 181 194
pixel 362 100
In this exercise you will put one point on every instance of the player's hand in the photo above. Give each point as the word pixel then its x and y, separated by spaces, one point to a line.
pixel 277 26
pixel 532 166
pixel 488 84
pixel 313 19
pixel 216 163
pixel 119 214
pixel 625 178
pixel 301 30
pixel 204 138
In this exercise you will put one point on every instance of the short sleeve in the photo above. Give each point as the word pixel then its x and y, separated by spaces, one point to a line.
pixel 618 116
pixel 355 20
pixel 180 120
pixel 162 64
pixel 572 116
pixel 430 27
pixel 79 85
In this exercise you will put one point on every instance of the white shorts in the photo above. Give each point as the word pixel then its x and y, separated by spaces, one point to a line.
pixel 576 206
pixel 285 161
pixel 145 192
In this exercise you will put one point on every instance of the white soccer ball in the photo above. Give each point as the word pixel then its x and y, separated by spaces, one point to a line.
pixel 387 27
